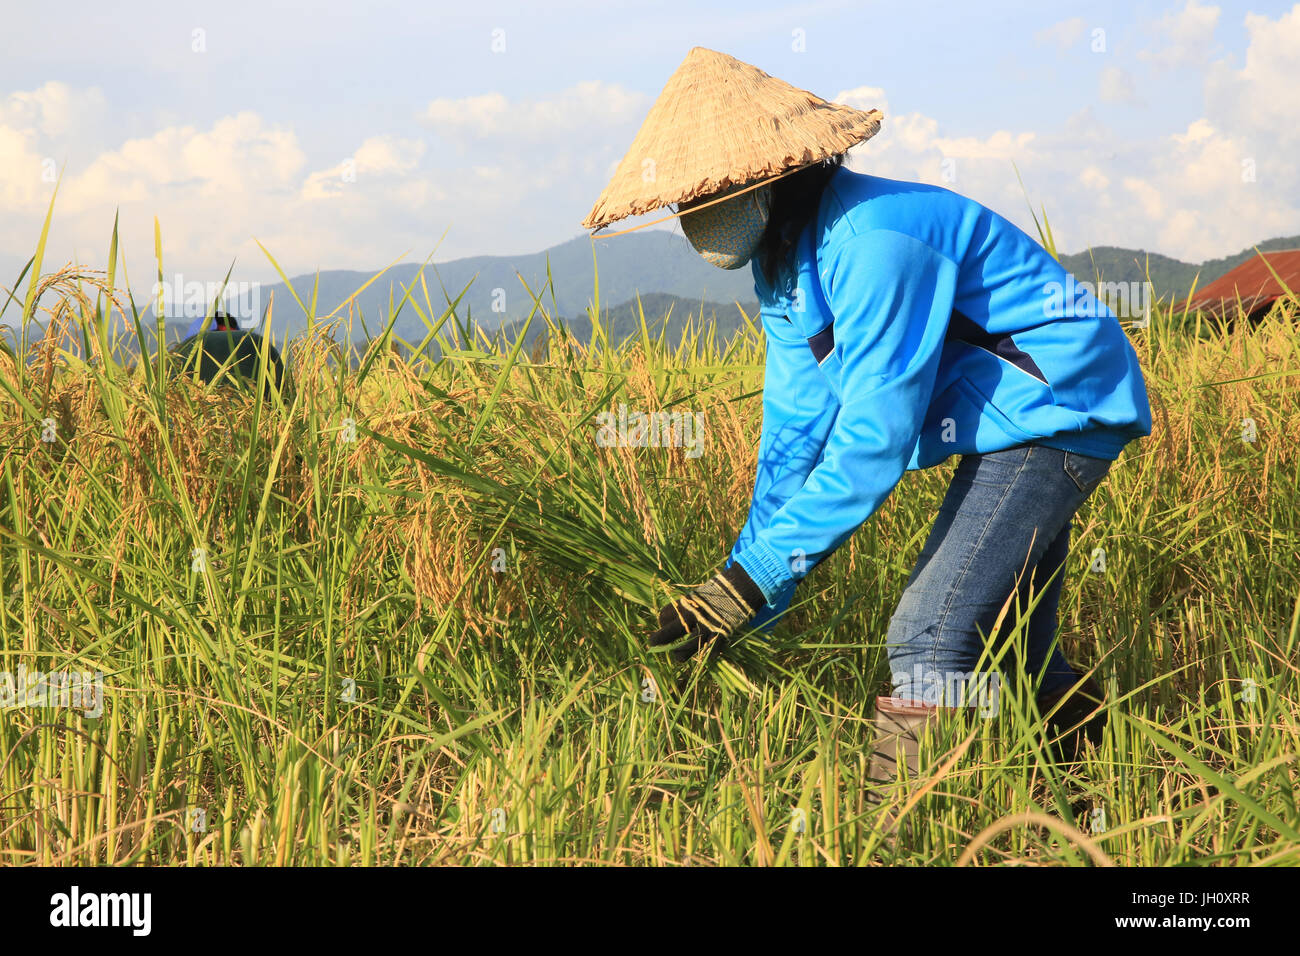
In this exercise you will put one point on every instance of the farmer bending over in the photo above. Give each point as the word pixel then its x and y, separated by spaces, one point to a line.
pixel 904 324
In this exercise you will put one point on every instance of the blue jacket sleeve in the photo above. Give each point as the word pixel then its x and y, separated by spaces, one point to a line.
pixel 799 409
pixel 890 296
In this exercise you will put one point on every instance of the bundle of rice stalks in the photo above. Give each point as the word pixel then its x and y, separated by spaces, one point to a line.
pixel 568 520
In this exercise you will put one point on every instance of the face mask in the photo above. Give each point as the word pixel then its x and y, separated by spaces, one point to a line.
pixel 727 234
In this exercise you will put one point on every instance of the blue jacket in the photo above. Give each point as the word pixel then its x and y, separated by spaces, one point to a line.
pixel 916 324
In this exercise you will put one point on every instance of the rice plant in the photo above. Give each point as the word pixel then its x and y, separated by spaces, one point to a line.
pixel 398 616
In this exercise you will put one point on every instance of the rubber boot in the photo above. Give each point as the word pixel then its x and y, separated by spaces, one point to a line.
pixel 1074 714
pixel 899 728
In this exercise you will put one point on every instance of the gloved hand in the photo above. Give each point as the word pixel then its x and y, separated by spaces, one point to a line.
pixel 716 609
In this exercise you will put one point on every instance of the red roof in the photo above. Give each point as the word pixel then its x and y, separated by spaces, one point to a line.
pixel 1252 282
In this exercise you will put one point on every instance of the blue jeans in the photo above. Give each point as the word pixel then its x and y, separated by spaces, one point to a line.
pixel 1006 514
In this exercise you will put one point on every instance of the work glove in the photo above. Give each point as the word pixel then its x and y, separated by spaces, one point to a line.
pixel 716 609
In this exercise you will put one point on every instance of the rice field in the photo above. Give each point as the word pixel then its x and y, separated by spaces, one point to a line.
pixel 398 617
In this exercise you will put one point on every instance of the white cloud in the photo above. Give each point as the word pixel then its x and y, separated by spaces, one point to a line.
pixel 213 187
pixel 38 131
pixel 22 184
pixel 910 146
pixel 1187 35
pixel 1094 179
pixel 587 106
pixel 1117 86
pixel 469 115
pixel 1062 35
pixel 864 98
pixel 1234 174
pixel 53 111
pixel 1188 192
pixel 239 157
pixel 1260 95
pixel 506 174
pixel 1151 203
pixel 377 157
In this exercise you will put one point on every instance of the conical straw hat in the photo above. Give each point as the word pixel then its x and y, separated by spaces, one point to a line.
pixel 719 123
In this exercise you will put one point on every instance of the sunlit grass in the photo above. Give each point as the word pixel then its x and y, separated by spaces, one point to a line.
pixel 414 632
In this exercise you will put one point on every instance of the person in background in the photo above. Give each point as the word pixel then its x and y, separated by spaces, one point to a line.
pixel 228 354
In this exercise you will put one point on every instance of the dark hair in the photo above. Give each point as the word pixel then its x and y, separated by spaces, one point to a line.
pixel 794 201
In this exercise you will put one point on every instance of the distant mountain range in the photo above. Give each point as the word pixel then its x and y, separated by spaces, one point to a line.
pixel 651 261
pixel 667 314
pixel 1171 278
pixel 658 264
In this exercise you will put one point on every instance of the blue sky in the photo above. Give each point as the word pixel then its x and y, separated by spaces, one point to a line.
pixel 347 135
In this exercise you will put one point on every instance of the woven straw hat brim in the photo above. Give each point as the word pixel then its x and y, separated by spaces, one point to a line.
pixel 720 122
